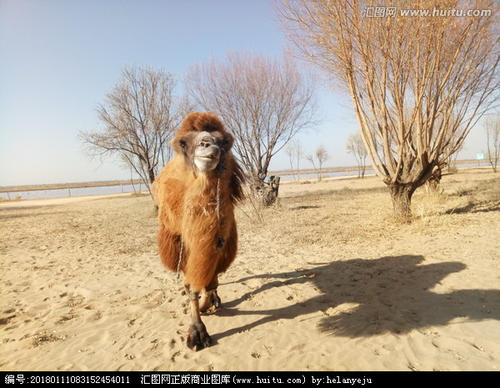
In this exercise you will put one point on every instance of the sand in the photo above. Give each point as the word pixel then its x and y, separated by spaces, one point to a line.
pixel 325 280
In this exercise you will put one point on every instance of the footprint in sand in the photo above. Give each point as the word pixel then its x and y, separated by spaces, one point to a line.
pixel 5 320
pixel 67 317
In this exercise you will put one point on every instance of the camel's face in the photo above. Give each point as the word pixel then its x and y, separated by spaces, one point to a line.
pixel 206 152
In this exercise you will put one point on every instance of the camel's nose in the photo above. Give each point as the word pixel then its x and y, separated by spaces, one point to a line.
pixel 207 140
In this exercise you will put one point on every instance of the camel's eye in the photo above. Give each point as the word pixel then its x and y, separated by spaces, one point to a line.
pixel 183 144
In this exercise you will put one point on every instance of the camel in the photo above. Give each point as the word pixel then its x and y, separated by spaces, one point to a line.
pixel 196 193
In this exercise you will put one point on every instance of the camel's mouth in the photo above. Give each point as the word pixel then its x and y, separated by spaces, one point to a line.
pixel 211 156
pixel 207 162
pixel 208 157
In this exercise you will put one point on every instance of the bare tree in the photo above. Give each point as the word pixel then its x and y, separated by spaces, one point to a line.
pixel 492 126
pixel 320 156
pixel 404 76
pixel 263 102
pixel 356 147
pixel 295 155
pixel 139 116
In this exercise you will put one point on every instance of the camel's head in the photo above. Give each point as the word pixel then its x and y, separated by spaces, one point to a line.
pixel 203 141
pixel 206 152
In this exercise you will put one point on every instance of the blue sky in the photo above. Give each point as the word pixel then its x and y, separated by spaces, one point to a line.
pixel 58 59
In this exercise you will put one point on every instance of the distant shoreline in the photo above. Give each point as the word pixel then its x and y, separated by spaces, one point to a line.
pixel 75 185
pixel 44 201
pixel 78 185
pixel 23 203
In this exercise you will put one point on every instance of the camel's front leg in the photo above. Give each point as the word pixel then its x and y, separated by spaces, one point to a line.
pixel 198 337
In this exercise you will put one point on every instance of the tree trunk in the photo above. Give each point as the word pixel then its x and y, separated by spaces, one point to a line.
pixel 151 176
pixel 266 192
pixel 401 201
pixel 432 184
pixel 274 185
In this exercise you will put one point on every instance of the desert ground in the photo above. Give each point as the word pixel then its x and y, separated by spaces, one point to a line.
pixel 324 280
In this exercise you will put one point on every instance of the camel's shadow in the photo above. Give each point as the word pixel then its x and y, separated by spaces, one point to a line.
pixel 390 294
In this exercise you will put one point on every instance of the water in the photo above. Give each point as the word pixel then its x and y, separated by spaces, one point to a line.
pixel 103 190
pixel 314 176
pixel 73 192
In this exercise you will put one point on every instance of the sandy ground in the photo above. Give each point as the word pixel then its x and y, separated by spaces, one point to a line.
pixel 326 280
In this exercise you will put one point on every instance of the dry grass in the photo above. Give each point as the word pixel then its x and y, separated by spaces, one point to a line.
pixel 323 214
pixel 470 195
pixel 358 213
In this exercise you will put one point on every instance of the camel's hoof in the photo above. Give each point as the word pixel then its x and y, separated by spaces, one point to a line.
pixel 198 337
pixel 216 302
pixel 211 304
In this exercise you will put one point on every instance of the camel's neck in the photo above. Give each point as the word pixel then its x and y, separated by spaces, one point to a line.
pixel 208 191
pixel 205 184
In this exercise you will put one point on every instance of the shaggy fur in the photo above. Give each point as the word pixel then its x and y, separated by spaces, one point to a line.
pixel 187 209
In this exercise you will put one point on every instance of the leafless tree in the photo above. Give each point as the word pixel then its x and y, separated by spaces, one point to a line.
pixel 295 155
pixel 139 116
pixel 492 126
pixel 404 76
pixel 263 102
pixel 318 159
pixel 356 147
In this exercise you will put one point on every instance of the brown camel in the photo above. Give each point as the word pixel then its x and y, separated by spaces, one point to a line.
pixel 196 193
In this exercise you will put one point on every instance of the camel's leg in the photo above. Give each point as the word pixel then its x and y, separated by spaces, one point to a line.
pixel 198 337
pixel 169 245
pixel 209 298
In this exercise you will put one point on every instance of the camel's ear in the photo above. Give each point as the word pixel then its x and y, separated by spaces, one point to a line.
pixel 227 141
pixel 237 180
